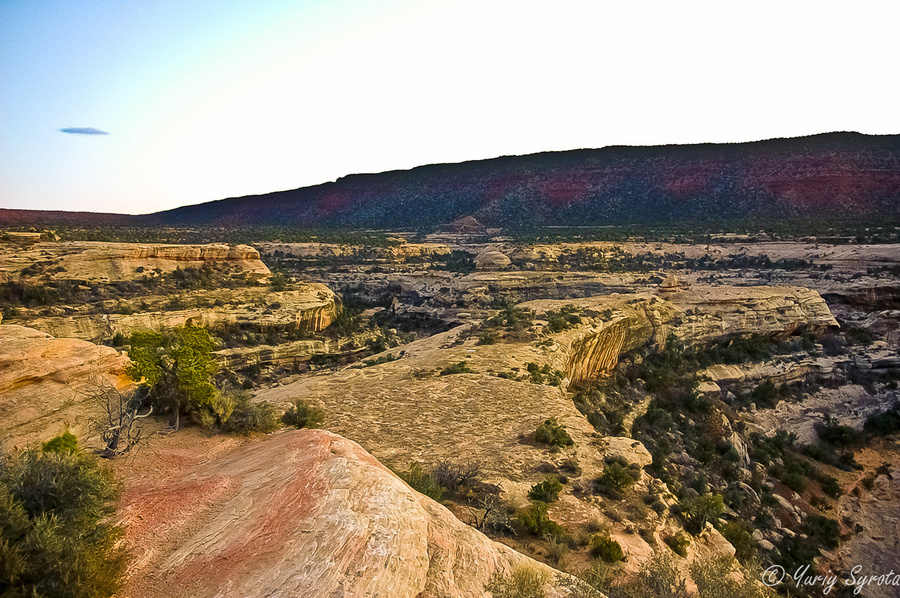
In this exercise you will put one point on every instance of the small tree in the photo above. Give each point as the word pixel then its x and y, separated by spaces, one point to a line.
pixel 175 368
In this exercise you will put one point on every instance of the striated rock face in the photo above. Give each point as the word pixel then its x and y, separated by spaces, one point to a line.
pixel 695 317
pixel 45 383
pixel 111 262
pixel 304 513
pixel 312 307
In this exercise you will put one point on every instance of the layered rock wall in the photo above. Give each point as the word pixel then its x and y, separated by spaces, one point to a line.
pixel 695 317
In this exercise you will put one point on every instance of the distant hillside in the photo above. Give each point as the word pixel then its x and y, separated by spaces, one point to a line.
pixel 833 175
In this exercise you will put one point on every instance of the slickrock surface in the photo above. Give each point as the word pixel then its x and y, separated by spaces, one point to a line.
pixel 45 383
pixel 303 513
pixel 404 411
pixel 107 262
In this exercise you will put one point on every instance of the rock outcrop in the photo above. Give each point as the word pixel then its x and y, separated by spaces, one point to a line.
pixel 46 383
pixel 304 513
pixel 695 317
pixel 113 262
pixel 492 258
pixel 311 307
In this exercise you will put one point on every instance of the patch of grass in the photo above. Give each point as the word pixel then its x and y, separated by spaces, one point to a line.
pixel 522 582
pixel 422 481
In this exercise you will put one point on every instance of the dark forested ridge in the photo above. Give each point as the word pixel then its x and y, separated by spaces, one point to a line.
pixel 832 175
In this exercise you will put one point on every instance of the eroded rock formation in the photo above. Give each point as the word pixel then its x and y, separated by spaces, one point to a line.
pixel 695 317
pixel 110 262
pixel 311 307
pixel 304 513
pixel 46 383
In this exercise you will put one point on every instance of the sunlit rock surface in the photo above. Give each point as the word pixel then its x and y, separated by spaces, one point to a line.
pixel 303 513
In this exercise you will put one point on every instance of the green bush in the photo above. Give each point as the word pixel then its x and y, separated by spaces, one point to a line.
pixel 537 522
pixel 458 368
pixel 884 423
pixel 422 481
pixel 740 535
pixel 836 434
pixel 618 476
pixel 678 543
pixel 56 538
pixel 248 417
pixel 552 433
pixel 604 547
pixel 303 415
pixel 546 491
pixel 64 443
pixel 700 509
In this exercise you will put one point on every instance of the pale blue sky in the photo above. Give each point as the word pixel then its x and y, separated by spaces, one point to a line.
pixel 210 99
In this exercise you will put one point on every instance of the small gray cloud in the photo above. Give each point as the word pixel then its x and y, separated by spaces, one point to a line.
pixel 83 131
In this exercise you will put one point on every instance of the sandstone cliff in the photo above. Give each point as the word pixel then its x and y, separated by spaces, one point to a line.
pixel 695 316
pixel 46 383
pixel 111 262
pixel 310 307
pixel 303 513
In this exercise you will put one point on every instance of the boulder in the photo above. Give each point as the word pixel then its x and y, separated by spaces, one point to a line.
pixel 304 513
pixel 46 383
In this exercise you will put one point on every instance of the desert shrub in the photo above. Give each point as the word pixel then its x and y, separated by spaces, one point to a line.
pixel 678 542
pixel 557 550
pixel 522 582
pixel 64 443
pixel 830 486
pixel 422 481
pixel 552 433
pixel 700 509
pixel 884 423
pixel 823 530
pixel 303 415
pixel 453 475
pixel 658 577
pixel 546 491
pixel 248 417
pixel 604 547
pixel 836 434
pixel 714 578
pixel 56 538
pixel 487 338
pixel 455 261
pixel 457 368
pixel 537 522
pixel 557 321
pixel 740 535
pixel 618 475
pixel 765 395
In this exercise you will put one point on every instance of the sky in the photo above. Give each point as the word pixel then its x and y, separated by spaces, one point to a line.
pixel 139 106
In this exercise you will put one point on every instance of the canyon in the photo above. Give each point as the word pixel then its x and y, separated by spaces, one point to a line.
pixel 454 350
